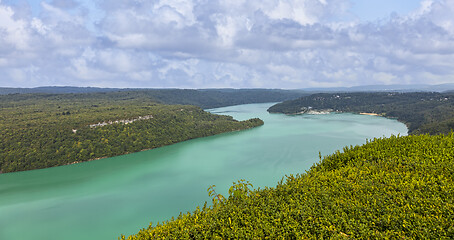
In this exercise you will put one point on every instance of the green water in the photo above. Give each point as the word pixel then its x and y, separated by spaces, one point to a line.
pixel 105 198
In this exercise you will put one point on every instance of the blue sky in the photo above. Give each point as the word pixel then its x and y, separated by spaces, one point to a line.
pixel 370 10
pixel 379 9
pixel 225 43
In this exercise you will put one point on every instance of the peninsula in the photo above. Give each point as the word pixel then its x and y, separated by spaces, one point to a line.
pixel 422 112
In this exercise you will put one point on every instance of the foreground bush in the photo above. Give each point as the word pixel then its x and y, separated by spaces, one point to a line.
pixel 397 188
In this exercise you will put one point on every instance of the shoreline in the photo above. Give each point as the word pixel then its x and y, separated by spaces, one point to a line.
pixel 142 150
pixel 146 149
pixel 360 113
pixel 370 114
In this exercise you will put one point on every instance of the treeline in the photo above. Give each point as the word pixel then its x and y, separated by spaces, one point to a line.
pixel 205 98
pixel 213 98
pixel 395 188
pixel 422 112
pixel 46 130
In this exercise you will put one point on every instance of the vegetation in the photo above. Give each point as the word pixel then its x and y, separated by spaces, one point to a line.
pixel 423 112
pixel 46 130
pixel 213 98
pixel 205 98
pixel 396 188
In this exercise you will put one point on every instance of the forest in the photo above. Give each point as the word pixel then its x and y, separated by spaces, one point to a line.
pixel 47 130
pixel 391 188
pixel 422 112
pixel 204 98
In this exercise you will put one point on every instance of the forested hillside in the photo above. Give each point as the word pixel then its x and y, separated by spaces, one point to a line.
pixel 204 98
pixel 213 98
pixel 55 90
pixel 395 188
pixel 46 130
pixel 431 113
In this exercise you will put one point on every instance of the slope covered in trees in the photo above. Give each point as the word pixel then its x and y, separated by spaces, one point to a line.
pixel 46 130
pixel 213 98
pixel 204 98
pixel 422 112
pixel 395 188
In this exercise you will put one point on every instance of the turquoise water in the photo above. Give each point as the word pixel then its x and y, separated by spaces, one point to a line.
pixel 105 198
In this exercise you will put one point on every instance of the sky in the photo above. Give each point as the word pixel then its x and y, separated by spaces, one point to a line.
pixel 286 44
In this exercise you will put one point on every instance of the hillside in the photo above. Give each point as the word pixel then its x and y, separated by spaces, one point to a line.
pixel 204 98
pixel 46 130
pixel 422 112
pixel 386 88
pixel 395 188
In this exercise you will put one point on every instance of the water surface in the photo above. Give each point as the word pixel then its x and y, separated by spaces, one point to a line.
pixel 105 198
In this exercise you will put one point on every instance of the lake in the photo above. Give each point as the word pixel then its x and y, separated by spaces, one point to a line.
pixel 105 198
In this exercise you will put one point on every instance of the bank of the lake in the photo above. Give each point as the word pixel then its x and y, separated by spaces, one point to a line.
pixel 105 198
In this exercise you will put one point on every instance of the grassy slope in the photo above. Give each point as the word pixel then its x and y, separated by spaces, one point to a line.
pixel 397 188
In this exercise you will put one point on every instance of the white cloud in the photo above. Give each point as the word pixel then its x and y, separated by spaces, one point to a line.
pixel 81 68
pixel 220 43
pixel 13 31
pixel 39 26
pixel 384 78
pixel 141 76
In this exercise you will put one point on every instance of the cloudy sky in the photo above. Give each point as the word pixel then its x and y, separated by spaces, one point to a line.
pixel 225 43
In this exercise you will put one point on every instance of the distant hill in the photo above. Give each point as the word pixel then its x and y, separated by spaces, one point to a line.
pixel 387 88
pixel 204 98
pixel 57 90
pixel 212 98
pixel 365 88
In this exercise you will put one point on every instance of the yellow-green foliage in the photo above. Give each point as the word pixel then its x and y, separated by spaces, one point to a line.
pixel 395 188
